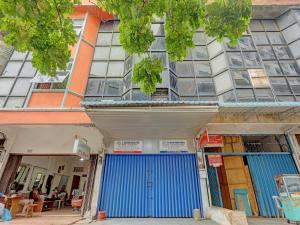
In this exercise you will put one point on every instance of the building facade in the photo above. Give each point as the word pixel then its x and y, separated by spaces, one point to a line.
pixel 146 160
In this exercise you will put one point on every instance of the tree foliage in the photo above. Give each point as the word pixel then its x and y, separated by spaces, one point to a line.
pixel 219 18
pixel 42 27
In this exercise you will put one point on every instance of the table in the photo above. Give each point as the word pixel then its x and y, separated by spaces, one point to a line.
pixel 14 205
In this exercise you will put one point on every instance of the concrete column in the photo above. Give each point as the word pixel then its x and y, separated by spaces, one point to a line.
pixel 96 189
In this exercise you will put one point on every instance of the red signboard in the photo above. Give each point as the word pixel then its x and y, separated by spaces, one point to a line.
pixel 215 160
pixel 203 139
pixel 215 141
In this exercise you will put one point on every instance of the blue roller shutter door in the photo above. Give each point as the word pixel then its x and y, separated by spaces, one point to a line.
pixel 150 186
pixel 263 169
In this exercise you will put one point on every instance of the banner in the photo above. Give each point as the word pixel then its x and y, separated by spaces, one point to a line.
pixel 128 146
pixel 81 149
pixel 173 146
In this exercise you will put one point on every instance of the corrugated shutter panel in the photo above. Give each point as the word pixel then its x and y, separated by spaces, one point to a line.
pixel 150 185
pixel 263 169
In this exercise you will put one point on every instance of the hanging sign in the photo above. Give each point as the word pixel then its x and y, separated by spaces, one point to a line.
pixel 173 146
pixel 215 160
pixel 203 138
pixel 128 146
pixel 81 149
pixel 215 141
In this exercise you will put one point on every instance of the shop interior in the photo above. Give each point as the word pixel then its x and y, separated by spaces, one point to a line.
pixel 55 183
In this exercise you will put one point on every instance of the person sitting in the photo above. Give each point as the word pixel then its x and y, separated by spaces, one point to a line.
pixel 35 195
pixel 63 194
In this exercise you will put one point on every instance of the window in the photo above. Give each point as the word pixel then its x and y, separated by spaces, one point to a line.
pixel 199 38
pixel 260 38
pixel 218 64
pixel 115 69
pixel 95 87
pixel 227 97
pixel 158 44
pixel 173 82
pixel 12 69
pixel 21 87
pixel 264 95
pixel 276 38
pixel 292 33
pixel 5 85
pixel 266 52
pixel 202 69
pixel 280 85
pixel 290 68
pixel 158 29
pixel 18 55
pixel 259 78
pixel 186 87
pixel 184 69
pixel 223 82
pixel 251 59
pixel 15 102
pixel 270 25
pixel 27 70
pixel 272 68
pixel 101 53
pixel 241 78
pixel 245 95
pixel 255 25
pixel 295 84
pixel 137 95
pixel 106 26
pixel 246 43
pixel 283 52
pixel 199 53
pixel 104 39
pixel 98 69
pixel 113 87
pixel 205 86
pixel 235 59
pixel 117 53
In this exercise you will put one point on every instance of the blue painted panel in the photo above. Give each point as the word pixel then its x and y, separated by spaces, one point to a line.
pixel 263 169
pixel 214 186
pixel 150 186
pixel 242 194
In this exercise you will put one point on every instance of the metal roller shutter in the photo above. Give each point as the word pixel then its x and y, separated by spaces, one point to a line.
pixel 150 185
pixel 263 169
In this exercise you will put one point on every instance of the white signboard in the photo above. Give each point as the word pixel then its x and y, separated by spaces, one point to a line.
pixel 173 145
pixel 81 149
pixel 128 146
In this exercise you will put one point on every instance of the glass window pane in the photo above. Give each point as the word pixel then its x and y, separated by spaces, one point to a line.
pixel 255 25
pixel 295 84
pixel 223 82
pixel 116 39
pixel 259 78
pixel 18 55
pixel 160 55
pixel 290 68
pixel 295 48
pixel 241 78
pixel 115 69
pixel 205 86
pixel 264 95
pixel 292 33
pixel 280 85
pixel 127 81
pixel 186 87
pixel 113 87
pixel 117 53
pixel 158 29
pixel 214 48
pixel 272 68
pixel 245 95
pixel 95 87
pixel 137 95
pixel 235 59
pixel 158 44
pixel 202 69
pixel 199 38
pixel 6 85
pixel 98 69
pixel 276 38
pixel 282 52
pixel 230 47
pixel 12 69
pixel 260 38
pixel 101 53
pixel 285 98
pixel 227 97
pixel 104 39
pixel 251 59
pixel 128 64
pixel 21 87
pixel 218 64
pixel 106 26
pixel 78 22
pixel 15 102
pixel 266 52
pixel 28 70
pixel 173 82
pixel 199 53
pixel 246 43
pixel 270 25
pixel 184 69
pixel 2 101
pixel 116 26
